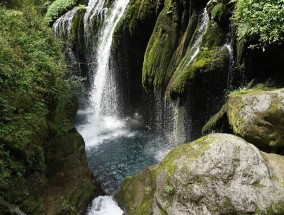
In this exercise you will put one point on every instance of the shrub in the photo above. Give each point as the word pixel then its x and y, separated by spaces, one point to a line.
pixel 169 190
pixel 58 8
pixel 262 21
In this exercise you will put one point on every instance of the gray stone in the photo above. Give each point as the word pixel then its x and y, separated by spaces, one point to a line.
pixel 258 116
pixel 217 174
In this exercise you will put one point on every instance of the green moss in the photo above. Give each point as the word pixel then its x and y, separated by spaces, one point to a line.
pixel 255 90
pixel 211 58
pixel 201 64
pixel 218 11
pixel 33 97
pixel 276 209
pixel 164 50
pixel 265 129
pixel 76 36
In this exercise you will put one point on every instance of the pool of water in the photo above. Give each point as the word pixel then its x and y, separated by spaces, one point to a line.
pixel 116 150
pixel 125 155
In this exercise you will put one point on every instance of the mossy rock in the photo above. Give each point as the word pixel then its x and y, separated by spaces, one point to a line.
pixel 207 61
pixel 174 30
pixel 37 110
pixel 257 115
pixel 71 185
pixel 212 57
pixel 216 174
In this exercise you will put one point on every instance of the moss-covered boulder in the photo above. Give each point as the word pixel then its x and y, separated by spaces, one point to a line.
pixel 258 116
pixel 217 174
pixel 173 32
pixel 70 182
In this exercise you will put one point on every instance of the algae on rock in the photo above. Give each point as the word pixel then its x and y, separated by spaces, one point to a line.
pixel 257 116
pixel 216 174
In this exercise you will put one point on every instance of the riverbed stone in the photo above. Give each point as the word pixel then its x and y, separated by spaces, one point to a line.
pixel 216 174
pixel 258 117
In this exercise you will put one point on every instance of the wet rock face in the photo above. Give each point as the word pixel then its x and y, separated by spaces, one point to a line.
pixel 258 117
pixel 217 174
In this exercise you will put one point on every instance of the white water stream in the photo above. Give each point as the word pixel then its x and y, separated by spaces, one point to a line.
pixel 228 46
pixel 195 48
pixel 61 28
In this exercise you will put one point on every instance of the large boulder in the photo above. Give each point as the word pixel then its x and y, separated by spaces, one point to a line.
pixel 258 116
pixel 217 174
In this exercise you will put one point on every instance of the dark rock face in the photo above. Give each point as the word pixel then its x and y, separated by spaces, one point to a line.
pixel 70 183
pixel 217 174
pixel 129 44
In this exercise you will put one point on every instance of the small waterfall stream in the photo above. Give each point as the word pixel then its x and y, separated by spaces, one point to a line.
pixel 193 50
pixel 62 28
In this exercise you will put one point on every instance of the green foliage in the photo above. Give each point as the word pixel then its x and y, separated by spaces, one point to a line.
pixel 68 206
pixel 218 11
pixel 31 81
pixel 169 190
pixel 244 90
pixel 58 8
pixel 260 20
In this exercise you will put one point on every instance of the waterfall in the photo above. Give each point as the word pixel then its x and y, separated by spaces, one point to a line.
pixel 104 205
pixel 102 110
pixel 93 10
pixel 61 28
pixel 169 118
pixel 193 50
pixel 173 121
pixel 173 118
pixel 103 96
pixel 198 38
pixel 228 46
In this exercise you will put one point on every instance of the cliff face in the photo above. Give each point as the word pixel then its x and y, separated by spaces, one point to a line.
pixel 43 168
pixel 190 53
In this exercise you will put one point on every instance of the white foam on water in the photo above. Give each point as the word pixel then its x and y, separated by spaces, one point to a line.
pixel 157 148
pixel 104 205
pixel 108 128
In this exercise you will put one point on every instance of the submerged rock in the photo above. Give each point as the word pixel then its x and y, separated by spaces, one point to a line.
pixel 217 174
pixel 258 116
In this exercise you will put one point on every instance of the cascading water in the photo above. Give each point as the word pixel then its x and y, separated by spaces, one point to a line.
pixel 198 39
pixel 193 50
pixel 169 119
pixel 102 111
pixel 173 122
pixel 61 28
pixel 228 46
